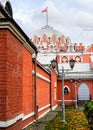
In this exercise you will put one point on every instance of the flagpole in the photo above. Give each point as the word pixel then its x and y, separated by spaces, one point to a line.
pixel 47 17
pixel 46 11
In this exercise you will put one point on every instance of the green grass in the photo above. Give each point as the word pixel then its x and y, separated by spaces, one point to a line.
pixel 75 120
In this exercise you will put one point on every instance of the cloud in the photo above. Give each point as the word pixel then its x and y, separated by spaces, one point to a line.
pixel 72 18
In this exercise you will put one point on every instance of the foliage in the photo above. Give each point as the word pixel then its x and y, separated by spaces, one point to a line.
pixel 89 113
pixel 75 120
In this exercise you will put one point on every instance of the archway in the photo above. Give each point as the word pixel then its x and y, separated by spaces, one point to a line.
pixel 83 92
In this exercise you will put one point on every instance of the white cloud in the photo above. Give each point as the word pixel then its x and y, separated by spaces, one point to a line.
pixel 73 18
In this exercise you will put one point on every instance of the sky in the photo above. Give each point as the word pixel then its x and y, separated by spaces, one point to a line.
pixel 73 18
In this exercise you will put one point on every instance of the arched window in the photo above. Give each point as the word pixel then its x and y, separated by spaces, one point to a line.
pixel 64 59
pixel 77 59
pixel 66 90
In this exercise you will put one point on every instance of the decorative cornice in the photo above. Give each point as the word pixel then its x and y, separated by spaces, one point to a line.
pixel 9 25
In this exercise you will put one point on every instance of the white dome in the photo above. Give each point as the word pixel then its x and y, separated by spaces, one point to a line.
pixel 49 31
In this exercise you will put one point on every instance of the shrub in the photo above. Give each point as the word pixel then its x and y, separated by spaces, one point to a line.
pixel 88 109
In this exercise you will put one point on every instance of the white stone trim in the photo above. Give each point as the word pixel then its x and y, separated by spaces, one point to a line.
pixel 43 114
pixel 10 122
pixel 28 116
pixel 40 115
pixel 66 100
pixel 4 124
pixel 54 107
pixel 41 109
pixel 41 76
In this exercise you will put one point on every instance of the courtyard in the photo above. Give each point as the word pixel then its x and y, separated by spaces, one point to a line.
pixel 75 120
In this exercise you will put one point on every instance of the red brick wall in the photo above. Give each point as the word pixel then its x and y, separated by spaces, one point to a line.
pixel 17 83
pixel 3 76
pixel 27 83
pixel 54 88
pixel 43 93
pixel 11 75
pixel 43 72
pixel 14 76
pixel 44 90
pixel 11 60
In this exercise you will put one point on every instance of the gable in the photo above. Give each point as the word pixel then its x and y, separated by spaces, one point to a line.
pixel 90 49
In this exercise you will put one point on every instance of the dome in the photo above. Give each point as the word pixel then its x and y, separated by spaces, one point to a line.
pixel 48 31
pixel 50 40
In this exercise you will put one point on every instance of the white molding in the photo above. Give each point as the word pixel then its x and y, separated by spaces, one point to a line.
pixel 10 122
pixel 41 76
pixel 43 114
pixel 4 124
pixel 41 109
pixel 54 107
pixel 31 114
pixel 28 116
pixel 66 100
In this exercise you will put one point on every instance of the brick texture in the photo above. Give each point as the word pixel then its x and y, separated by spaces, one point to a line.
pixel 10 76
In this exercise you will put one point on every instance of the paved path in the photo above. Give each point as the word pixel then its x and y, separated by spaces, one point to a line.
pixel 42 122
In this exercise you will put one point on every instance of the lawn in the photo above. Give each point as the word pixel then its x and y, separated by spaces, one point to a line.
pixel 75 120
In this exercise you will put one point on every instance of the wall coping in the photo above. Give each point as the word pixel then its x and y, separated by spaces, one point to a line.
pixel 7 22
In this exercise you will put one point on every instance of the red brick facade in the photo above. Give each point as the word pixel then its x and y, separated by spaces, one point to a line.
pixel 11 62
pixel 45 81
pixel 73 93
pixel 17 80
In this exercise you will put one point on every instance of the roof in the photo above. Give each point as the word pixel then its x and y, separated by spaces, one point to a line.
pixel 49 31
pixel 78 67
pixel 46 60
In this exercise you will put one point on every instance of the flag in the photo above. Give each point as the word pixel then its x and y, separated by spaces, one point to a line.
pixel 44 10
